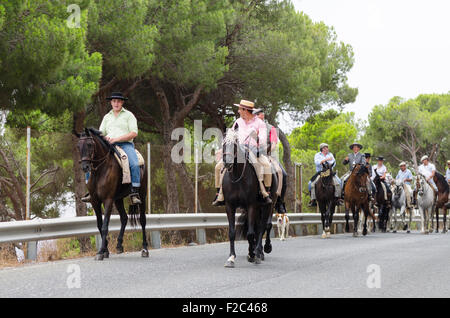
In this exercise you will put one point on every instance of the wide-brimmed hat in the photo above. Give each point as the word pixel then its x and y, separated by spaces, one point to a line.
pixel 402 164
pixel 116 95
pixel 356 144
pixel 258 111
pixel 246 104
pixel 323 146
pixel 380 158
pixel 368 155
pixel 424 158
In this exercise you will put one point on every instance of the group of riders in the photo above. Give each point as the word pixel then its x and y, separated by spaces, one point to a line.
pixel 404 175
pixel 260 139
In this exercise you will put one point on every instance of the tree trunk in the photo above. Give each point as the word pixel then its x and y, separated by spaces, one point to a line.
pixel 173 205
pixel 290 170
pixel 79 180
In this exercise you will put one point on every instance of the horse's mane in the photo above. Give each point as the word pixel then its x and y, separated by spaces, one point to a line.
pixel 103 141
pixel 443 181
pixel 231 137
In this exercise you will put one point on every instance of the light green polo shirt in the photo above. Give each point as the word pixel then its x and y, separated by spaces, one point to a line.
pixel 118 126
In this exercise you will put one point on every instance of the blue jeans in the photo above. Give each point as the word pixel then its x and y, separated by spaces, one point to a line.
pixel 135 170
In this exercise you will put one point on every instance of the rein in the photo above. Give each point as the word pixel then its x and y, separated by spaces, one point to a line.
pixel 91 158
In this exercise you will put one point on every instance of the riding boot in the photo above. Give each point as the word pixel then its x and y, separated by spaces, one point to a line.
pixel 134 196
pixel 312 203
pixel 339 201
pixel 86 198
pixel 267 200
pixel 216 201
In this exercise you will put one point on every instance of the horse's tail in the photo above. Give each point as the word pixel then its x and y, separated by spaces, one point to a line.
pixel 242 226
pixel 133 212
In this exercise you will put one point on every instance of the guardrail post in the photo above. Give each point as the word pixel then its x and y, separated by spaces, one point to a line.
pixel 31 251
pixel 298 230
pixel 319 229
pixel 98 242
pixel 201 236
pixel 340 228
pixel 155 238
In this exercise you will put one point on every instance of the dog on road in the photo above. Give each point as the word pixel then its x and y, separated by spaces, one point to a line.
pixel 283 226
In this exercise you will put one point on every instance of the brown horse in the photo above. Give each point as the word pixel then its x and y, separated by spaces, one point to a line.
pixel 105 187
pixel 356 198
pixel 442 199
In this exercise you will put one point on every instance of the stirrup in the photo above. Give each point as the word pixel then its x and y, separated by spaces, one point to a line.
pixel 216 202
pixel 86 198
pixel 312 203
pixel 135 200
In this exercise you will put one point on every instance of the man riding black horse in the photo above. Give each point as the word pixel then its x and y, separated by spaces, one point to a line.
pixel 119 127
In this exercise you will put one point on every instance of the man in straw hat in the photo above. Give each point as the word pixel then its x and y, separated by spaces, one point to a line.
pixel 405 175
pixel 428 170
pixel 119 127
pixel 250 130
pixel 353 159
pixel 323 156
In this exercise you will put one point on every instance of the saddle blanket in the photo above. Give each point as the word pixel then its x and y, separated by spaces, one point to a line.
pixel 125 165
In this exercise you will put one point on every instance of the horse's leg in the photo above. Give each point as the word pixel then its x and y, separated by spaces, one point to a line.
pixel 437 219
pixel 98 213
pixel 231 215
pixel 123 223
pixel 322 208
pixel 355 213
pixel 444 212
pixel 261 228
pixel 104 253
pixel 347 226
pixel 422 219
pixel 268 244
pixel 410 210
pixel 330 218
pixel 143 221
pixel 251 234
pixel 366 215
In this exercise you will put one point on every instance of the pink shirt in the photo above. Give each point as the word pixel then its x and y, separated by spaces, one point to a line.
pixel 273 135
pixel 245 129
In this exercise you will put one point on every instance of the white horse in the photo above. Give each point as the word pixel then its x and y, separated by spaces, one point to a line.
pixel 425 201
pixel 399 203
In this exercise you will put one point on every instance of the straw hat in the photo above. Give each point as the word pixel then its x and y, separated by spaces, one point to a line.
pixel 246 104
pixel 402 164
pixel 356 144
pixel 424 158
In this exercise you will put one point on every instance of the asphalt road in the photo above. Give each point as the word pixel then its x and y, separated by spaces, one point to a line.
pixel 411 265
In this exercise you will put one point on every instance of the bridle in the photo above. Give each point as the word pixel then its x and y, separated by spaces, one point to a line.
pixel 230 170
pixel 90 158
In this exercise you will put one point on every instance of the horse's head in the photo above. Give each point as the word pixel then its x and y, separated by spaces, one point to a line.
pixel 86 147
pixel 420 184
pixel 230 148
pixel 398 188
pixel 327 171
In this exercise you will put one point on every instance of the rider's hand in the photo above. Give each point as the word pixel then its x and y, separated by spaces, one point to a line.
pixel 346 158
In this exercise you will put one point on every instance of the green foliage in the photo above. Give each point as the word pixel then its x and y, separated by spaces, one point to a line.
pixel 45 64
pixel 407 129
pixel 187 49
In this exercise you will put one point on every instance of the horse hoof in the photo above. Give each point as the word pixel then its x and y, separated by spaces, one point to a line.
pixel 258 260
pixel 262 257
pixel 268 248
pixel 119 250
pixel 144 253
pixel 99 257
pixel 324 235
pixel 347 229
pixel 355 234
pixel 250 259
pixel 408 232
pixel 106 255
pixel 365 232
pixel 437 231
pixel 229 264
pixel 328 234
pixel 394 232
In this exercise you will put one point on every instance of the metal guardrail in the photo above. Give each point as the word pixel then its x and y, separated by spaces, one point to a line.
pixel 38 230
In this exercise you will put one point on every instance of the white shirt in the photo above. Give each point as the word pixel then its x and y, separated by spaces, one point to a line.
pixel 447 175
pixel 427 170
pixel 380 171
pixel 319 157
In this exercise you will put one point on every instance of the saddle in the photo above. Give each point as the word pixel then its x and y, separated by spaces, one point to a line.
pixel 125 165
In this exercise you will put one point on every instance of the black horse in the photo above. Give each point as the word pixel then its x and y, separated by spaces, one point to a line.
pixel 241 190
pixel 325 198
pixel 105 187
pixel 382 204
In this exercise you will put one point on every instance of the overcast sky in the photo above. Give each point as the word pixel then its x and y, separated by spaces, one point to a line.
pixel 402 47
